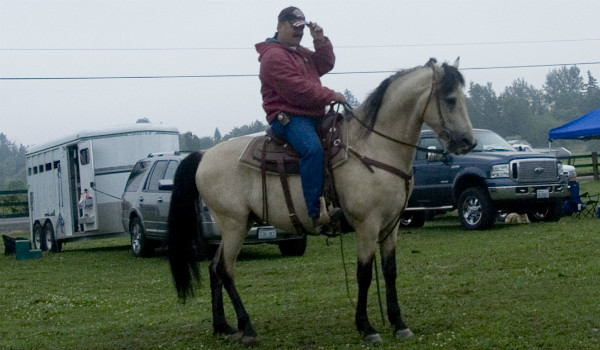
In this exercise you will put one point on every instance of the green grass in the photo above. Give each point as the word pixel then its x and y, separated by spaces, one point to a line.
pixel 528 286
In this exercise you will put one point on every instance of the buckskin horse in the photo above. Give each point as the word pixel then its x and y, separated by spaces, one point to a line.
pixel 372 195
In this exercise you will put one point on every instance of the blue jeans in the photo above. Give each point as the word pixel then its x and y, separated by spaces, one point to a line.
pixel 301 134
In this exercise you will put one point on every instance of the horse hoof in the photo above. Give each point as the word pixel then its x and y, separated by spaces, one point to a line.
pixel 374 338
pixel 404 333
pixel 235 337
pixel 249 341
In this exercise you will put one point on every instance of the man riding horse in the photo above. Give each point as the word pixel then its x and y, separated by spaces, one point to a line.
pixel 295 99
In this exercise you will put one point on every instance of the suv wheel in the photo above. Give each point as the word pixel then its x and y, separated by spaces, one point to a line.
pixel 550 212
pixel 293 247
pixel 412 219
pixel 476 209
pixel 140 247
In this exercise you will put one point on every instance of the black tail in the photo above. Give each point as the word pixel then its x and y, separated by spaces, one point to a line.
pixel 183 226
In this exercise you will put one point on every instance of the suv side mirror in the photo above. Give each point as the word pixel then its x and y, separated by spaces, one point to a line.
pixel 165 185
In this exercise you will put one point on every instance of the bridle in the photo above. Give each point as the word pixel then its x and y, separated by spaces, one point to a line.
pixel 350 111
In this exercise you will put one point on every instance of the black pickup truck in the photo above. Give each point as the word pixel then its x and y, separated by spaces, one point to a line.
pixel 491 179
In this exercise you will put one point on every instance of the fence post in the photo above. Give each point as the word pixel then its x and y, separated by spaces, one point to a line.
pixel 595 165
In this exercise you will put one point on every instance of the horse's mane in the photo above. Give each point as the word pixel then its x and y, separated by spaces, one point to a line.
pixel 451 78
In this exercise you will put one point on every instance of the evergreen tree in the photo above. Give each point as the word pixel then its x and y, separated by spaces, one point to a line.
pixel 564 92
pixel 254 127
pixel 520 105
pixel 483 107
pixel 12 165
pixel 350 99
pixel 592 94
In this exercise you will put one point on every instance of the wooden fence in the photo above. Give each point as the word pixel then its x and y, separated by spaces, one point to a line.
pixel 13 203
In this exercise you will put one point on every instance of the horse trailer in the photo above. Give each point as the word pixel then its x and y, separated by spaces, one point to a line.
pixel 75 183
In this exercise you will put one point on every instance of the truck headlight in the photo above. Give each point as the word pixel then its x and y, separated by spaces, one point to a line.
pixel 499 170
pixel 559 168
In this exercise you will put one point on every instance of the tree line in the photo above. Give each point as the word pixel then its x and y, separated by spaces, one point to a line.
pixel 12 165
pixel 523 112
pixel 520 112
pixel 190 142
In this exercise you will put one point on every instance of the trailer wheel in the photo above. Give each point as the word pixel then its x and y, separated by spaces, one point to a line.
pixel 140 247
pixel 37 236
pixel 50 242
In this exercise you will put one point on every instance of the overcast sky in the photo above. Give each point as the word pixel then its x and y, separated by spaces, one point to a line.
pixel 188 43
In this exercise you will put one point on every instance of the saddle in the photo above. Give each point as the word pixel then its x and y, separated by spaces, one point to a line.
pixel 271 154
pixel 267 151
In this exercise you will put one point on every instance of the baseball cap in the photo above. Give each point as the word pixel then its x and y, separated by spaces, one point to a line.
pixel 293 15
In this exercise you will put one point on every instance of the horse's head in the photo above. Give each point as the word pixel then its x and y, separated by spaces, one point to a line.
pixel 446 112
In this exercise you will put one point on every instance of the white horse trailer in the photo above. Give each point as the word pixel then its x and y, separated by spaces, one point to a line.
pixel 75 183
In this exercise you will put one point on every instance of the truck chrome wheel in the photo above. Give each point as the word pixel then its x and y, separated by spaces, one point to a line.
pixel 475 209
pixel 472 211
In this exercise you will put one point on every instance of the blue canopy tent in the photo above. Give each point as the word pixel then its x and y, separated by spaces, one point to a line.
pixel 584 128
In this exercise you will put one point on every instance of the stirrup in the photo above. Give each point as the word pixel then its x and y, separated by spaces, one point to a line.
pixel 327 217
pixel 325 229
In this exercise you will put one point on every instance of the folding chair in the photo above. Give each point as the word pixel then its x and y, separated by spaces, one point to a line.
pixel 591 205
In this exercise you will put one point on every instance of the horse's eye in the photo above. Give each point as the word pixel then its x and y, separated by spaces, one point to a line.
pixel 451 101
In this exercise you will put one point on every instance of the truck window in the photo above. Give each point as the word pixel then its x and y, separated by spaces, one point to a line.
pixel 158 172
pixel 427 142
pixel 135 178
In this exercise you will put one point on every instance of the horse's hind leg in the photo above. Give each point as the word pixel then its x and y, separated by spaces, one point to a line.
pixel 220 325
pixel 223 278
pixel 388 262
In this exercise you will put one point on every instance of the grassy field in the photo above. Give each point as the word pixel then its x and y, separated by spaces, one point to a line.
pixel 527 286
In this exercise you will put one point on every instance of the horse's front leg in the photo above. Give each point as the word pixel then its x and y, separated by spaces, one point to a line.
pixel 364 276
pixel 388 262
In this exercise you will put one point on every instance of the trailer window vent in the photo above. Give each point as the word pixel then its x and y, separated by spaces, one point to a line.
pixel 84 158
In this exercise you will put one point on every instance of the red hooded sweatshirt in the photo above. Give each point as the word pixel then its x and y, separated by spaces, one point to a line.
pixel 291 78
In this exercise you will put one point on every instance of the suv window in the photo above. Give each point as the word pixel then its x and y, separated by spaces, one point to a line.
pixel 171 168
pixel 135 178
pixel 158 171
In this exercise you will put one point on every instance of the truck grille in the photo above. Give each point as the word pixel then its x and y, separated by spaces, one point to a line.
pixel 534 170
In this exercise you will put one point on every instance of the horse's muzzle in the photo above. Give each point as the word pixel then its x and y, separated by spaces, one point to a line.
pixel 462 143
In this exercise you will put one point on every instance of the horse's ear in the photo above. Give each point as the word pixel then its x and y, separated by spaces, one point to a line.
pixel 455 64
pixel 432 61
